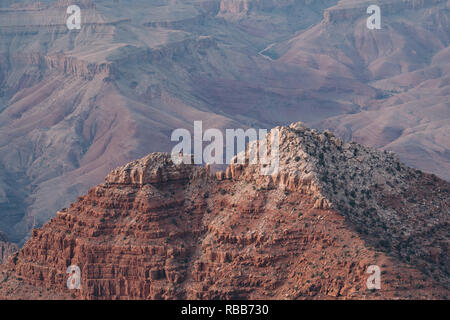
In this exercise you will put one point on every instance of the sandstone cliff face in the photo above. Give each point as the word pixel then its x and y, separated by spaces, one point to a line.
pixel 237 7
pixel 241 8
pixel 156 230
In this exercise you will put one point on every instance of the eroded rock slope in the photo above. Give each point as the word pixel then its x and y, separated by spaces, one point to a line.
pixel 156 230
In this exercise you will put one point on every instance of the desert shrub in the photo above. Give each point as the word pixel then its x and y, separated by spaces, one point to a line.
pixel 384 243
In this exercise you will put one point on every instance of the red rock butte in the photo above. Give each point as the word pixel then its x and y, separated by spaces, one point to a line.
pixel 156 230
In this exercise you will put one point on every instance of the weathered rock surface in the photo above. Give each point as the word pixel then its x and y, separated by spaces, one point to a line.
pixel 156 230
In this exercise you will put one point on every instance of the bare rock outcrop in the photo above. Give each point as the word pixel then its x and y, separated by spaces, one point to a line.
pixel 159 230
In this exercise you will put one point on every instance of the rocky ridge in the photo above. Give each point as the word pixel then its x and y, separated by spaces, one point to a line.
pixel 156 230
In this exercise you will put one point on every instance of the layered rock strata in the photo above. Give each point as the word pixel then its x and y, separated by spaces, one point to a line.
pixel 156 230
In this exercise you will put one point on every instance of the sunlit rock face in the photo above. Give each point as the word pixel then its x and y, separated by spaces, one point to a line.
pixel 157 230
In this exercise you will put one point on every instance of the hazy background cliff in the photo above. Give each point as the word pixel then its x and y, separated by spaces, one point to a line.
pixel 75 104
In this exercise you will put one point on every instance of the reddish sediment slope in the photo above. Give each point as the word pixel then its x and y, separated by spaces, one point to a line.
pixel 156 230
